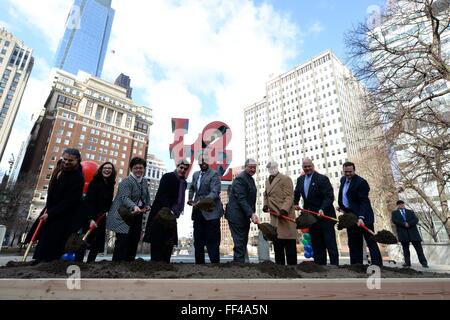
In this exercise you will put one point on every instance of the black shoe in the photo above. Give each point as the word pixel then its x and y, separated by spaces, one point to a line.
pixel 406 265
pixel 425 265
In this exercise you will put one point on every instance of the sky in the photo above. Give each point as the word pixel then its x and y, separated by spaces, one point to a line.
pixel 201 60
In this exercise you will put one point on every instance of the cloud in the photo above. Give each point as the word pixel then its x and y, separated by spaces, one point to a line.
pixel 202 60
pixel 48 16
pixel 317 27
pixel 179 52
pixel 5 25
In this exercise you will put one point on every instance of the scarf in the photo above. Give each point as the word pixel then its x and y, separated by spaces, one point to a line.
pixel 178 207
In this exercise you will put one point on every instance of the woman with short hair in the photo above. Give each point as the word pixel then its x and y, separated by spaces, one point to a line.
pixel 133 199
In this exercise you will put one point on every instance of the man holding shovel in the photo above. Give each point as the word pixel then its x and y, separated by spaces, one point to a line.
pixel 354 199
pixel 206 185
pixel 241 209
pixel 279 197
pixel 317 194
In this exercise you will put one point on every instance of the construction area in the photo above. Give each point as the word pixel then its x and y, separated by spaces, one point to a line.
pixel 147 280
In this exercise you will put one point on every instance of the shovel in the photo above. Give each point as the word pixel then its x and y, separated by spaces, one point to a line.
pixel 41 222
pixel 383 236
pixel 305 222
pixel 344 221
pixel 75 243
pixel 268 231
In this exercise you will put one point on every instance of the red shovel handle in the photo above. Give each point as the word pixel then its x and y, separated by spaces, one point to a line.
pixel 93 227
pixel 367 229
pixel 318 214
pixel 36 232
pixel 281 216
pixel 97 221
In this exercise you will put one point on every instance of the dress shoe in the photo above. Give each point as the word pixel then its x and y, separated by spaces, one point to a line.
pixel 425 266
pixel 406 265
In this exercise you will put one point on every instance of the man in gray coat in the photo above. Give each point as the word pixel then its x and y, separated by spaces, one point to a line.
pixel 241 209
pixel 206 185
pixel 406 223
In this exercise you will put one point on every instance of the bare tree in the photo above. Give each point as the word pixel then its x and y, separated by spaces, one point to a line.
pixel 405 63
pixel 15 204
pixel 374 165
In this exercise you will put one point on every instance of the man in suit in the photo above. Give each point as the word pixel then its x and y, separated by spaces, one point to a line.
pixel 317 194
pixel 279 197
pixel 406 223
pixel 170 194
pixel 354 198
pixel 241 209
pixel 206 184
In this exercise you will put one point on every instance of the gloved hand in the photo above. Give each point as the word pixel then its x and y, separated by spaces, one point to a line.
pixel 266 208
pixel 283 212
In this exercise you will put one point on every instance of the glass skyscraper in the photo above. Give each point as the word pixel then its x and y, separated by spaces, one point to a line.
pixel 86 37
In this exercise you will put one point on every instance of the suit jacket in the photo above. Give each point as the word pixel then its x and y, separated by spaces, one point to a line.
pixel 358 198
pixel 320 194
pixel 128 195
pixel 406 234
pixel 280 195
pixel 242 199
pixel 209 188
pixel 166 196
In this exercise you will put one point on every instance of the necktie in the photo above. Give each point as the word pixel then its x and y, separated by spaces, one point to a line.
pixel 344 194
pixel 199 180
pixel 306 185
pixel 403 214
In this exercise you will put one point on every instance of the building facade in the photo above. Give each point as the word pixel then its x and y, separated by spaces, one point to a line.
pixel 125 82
pixel 308 112
pixel 16 63
pixel 86 36
pixel 155 170
pixel 91 115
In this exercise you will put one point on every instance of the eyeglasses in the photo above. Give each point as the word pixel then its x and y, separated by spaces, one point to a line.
pixel 107 168
pixel 183 168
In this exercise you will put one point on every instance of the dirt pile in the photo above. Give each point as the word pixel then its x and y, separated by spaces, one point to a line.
pixel 230 270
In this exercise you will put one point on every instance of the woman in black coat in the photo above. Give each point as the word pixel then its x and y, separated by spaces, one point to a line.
pixel 97 202
pixel 63 200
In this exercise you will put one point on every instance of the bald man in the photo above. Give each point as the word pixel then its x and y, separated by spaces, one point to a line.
pixel 318 196
pixel 279 197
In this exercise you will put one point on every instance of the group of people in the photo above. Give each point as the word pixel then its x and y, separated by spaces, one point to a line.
pixel 281 199
pixel 68 211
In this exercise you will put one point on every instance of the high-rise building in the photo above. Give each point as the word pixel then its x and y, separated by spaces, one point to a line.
pixel 125 82
pixel 16 63
pixel 155 170
pixel 85 41
pixel 308 112
pixel 91 115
